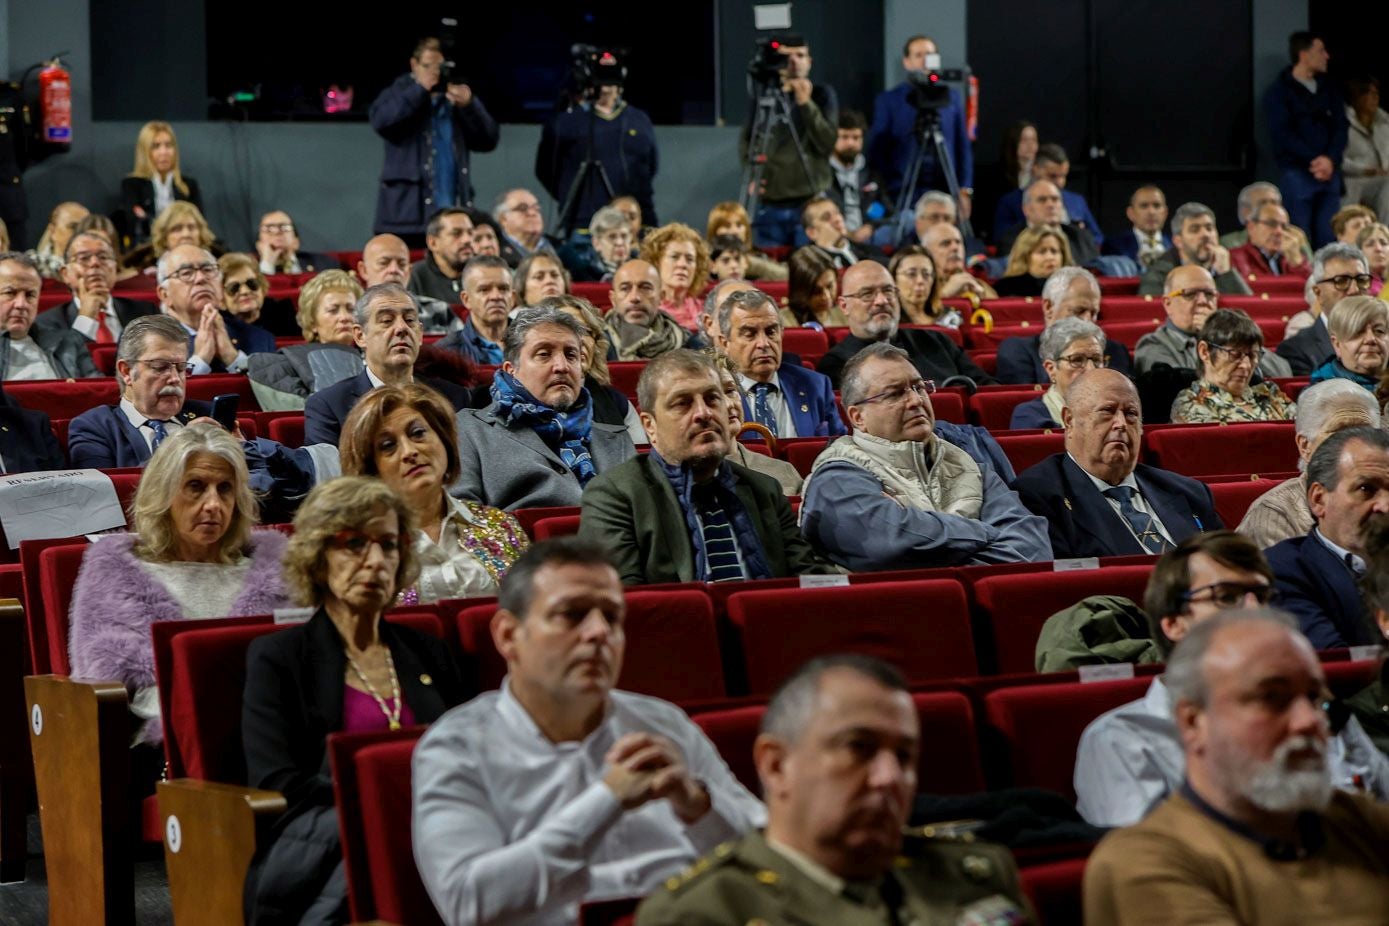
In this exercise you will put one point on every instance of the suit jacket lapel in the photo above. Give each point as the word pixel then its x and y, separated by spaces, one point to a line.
pixel 134 440
pixel 525 437
pixel 676 535
pixel 1092 510
pixel 1171 509
pixel 1332 571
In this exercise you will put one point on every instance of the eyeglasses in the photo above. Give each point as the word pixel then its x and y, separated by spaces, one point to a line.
pixel 1194 295
pixel 189 274
pixel 251 286
pixel 91 258
pixel 872 293
pixel 1342 282
pixel 357 543
pixel 165 367
pixel 1253 355
pixel 1081 361
pixel 274 227
pixel 524 208
pixel 921 388
pixel 1274 223
pixel 1230 594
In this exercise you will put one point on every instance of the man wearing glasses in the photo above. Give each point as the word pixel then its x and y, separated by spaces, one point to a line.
pixel 1272 248
pixel 89 270
pixel 1070 292
pixel 1196 242
pixel 873 306
pixel 190 288
pixel 27 352
pixel 1190 296
pixel 277 245
pixel 1338 270
pixel 892 495
pixel 523 226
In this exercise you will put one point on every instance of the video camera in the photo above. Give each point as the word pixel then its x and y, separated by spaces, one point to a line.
pixel 928 89
pixel 768 63
pixel 448 45
pixel 593 67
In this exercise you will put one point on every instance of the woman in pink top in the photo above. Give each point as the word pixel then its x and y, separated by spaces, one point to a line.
pixel 681 257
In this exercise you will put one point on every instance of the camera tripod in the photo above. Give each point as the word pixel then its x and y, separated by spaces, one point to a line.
pixel 929 132
pixel 773 109
pixel 590 165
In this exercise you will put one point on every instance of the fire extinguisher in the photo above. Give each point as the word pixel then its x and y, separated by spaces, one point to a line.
pixel 55 104
pixel 972 108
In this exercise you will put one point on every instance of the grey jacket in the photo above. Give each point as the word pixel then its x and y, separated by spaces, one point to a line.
pixel 66 350
pixel 1174 347
pixel 283 380
pixel 511 468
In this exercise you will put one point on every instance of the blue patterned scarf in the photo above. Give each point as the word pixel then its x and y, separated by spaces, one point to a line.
pixel 565 432
pixel 725 490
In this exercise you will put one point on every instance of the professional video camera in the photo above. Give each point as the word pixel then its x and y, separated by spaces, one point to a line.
pixel 928 89
pixel 449 72
pixel 768 62
pixel 594 67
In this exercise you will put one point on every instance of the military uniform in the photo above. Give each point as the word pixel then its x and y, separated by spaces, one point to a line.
pixel 935 882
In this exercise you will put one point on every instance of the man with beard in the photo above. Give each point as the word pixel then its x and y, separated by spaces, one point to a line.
pixel 386 259
pixel 89 270
pixel 488 297
pixel 1318 574
pixel 537 445
pixel 1257 833
pixel 870 300
pixel 190 289
pixel 636 326
pixel 838 757
pixel 1197 242
pixel 449 238
pixel 682 513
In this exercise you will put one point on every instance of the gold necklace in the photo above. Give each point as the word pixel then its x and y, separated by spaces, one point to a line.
pixel 392 717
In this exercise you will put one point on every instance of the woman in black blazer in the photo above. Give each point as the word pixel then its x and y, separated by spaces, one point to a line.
pixel 156 158
pixel 346 669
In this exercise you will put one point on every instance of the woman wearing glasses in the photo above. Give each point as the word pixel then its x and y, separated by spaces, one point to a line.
pixel 345 670
pixel 1069 347
pixel 1228 349
pixel 1359 328
pixel 914 271
pixel 682 259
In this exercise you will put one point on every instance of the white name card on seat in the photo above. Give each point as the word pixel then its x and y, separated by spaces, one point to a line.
pixel 1075 565
pixel 38 506
pixel 833 581
pixel 1361 653
pixel 1106 673
pixel 288 616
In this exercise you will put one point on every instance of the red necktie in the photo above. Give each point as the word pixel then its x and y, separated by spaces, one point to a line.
pixel 103 333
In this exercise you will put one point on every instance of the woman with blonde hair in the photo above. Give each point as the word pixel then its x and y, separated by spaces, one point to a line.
pixel 284 380
pixel 1037 254
pixel 730 218
pixel 1373 242
pixel 681 257
pixel 155 182
pixel 1359 328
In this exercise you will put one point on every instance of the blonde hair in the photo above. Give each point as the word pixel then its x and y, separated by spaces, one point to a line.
pixel 342 504
pixel 329 281
pixel 176 211
pixel 1354 314
pixel 726 213
pixel 1029 240
pixel 144 165
pixel 598 363
pixel 45 245
pixel 150 511
pixel 655 244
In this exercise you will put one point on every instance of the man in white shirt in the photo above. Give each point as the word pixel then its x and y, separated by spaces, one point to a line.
pixel 277 247
pixel 558 789
pixel 25 351
pixel 89 270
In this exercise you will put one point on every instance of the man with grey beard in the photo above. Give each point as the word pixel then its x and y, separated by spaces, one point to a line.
pixel 1257 833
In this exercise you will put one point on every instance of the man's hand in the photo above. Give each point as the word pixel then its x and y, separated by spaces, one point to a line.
pixel 799 88
pixel 269 254
pixel 862 234
pixel 1291 251
pixel 966 205
pixel 459 94
pixel 226 350
pixel 644 767
pixel 92 302
pixel 1220 259
pixel 959 283
pixel 1322 168
pixel 205 341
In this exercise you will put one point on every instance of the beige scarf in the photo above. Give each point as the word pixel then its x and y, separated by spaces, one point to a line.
pixel 927 476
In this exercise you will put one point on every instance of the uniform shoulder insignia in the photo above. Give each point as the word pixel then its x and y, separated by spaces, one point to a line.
pixel 721 855
pixel 993 911
pixel 977 867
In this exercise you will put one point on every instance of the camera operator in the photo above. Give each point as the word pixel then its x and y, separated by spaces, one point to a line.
pixel 430 125
pixel 895 135
pixel 603 130
pixel 785 184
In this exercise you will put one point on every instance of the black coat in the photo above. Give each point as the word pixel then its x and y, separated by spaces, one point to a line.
pixel 934 355
pixel 27 443
pixel 326 410
pixel 1308 349
pixel 61 317
pixel 137 191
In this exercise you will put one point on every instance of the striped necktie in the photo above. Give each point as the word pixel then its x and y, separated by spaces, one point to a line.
pixel 720 544
pixel 1144 526
pixel 762 407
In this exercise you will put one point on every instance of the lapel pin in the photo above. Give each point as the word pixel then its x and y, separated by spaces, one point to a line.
pixel 1068 504
pixel 426 679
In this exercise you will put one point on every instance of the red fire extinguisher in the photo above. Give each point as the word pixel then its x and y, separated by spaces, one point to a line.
pixel 55 104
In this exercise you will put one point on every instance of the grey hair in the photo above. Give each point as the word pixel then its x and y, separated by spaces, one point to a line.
pixel 1317 402
pixel 793 705
pixel 89 233
pixel 21 258
pixel 527 320
pixel 749 300
pixel 1354 314
pixel 852 388
pixel 1245 204
pixel 499 204
pixel 1192 210
pixel 1336 250
pixel 711 301
pixel 933 196
pixel 1325 466
pixel 605 220
pixel 1185 675
pixel 1061 279
pixel 1027 193
pixel 680 359
pixel 363 307
pixel 135 337
pixel 164 268
pixel 484 262
pixel 1061 334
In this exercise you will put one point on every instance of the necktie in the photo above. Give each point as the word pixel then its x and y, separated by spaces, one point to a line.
pixel 762 408
pixel 160 432
pixel 720 545
pixel 1143 525
pixel 103 333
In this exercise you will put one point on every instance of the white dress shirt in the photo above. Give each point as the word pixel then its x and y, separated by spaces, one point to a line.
pixel 776 401
pixel 510 827
pixel 1139 505
pixel 28 361
pixel 163 193
pixel 446 569
pixel 87 327
pixel 141 423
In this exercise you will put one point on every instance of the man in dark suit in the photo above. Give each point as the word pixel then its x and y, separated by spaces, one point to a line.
pixel 277 246
pixel 1042 205
pixel 1097 498
pixel 786 398
pixel 89 270
pixel 1196 242
pixel 1051 164
pixel 152 366
pixel 869 298
pixel 683 513
pixel 1147 241
pixel 29 444
pixel 1271 250
pixel 190 288
pixel 389 334
pixel 1338 270
pixel 1318 576
pixel 1070 292
pixel 26 352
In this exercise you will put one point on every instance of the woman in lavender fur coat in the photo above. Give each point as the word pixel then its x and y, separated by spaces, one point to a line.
pixel 193 555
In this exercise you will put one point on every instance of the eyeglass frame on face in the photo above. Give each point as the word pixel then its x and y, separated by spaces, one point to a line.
pixel 346 539
pixel 525 208
pixel 1264 594
pixel 277 227
pixel 164 367
pixel 922 388
pixel 1274 223
pixel 234 288
pixel 892 292
pixel 92 257
pixel 1254 356
pixel 1342 281
pixel 1192 295
pixel 188 273
pixel 1081 361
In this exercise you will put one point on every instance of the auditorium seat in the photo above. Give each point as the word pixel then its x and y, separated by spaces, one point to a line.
pixel 802 453
pixel 1348 677
pixel 1011 311
pixel 1028 449
pixel 1054 890
pixel 1210 450
pixel 1127 333
pixel 625 374
pixel 205 388
pixel 599 294
pixel 994 409
pixel 620 911
pixel 530 516
pixel 948 404
pixel 560 526
pixel 63 399
pixel 1232 499
pixel 288 430
pixel 807 343
pixel 921 627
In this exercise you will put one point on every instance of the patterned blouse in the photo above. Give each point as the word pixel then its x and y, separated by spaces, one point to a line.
pixel 477 545
pixel 1204 402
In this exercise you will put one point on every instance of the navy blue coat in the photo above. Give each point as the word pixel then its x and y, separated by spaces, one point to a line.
pixel 892 142
pixel 1081 521
pixel 1317 587
pixel 327 409
pixel 1032 414
pixel 1009 215
pixel 103 438
pixel 400 115
pixel 1308 349
pixel 810 396
pixel 27 443
pixel 1305 125
pixel 1020 360
pixel 626 147
pixel 1125 244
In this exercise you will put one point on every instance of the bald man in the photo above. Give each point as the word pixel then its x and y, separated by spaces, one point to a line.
pixel 1097 498
pixel 636 326
pixel 386 259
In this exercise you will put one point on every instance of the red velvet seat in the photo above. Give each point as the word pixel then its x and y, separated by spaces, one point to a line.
pixel 562 526
pixel 288 430
pixel 619 912
pixel 215 384
pixel 994 410
pixel 949 406
pixel 530 516
pixel 1013 608
pixel 1039 727
pixel 1054 889
pixel 58 567
pixel 600 294
pixel 802 454
pixel 625 374
pixel 61 399
pixel 808 343
pixel 1232 499
pixel 1024 450
pixel 921 627
pixel 1346 678
pixel 1209 450
pixel 1011 311
pixel 1127 333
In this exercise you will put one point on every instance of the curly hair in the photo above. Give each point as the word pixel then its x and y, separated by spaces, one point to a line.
pixel 329 281
pixel 654 245
pixel 171 215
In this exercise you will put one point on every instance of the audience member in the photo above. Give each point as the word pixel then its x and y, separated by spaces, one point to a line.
pixel 683 513
pixel 488 295
pixel 486 235
pixel 430 131
pixel 1146 241
pixel 730 218
pixel 1270 250
pixel 1229 348
pixel 1042 206
pixel 29 351
pixel 1050 164
pixel 62 225
pixel 681 258
pixel 1307 123
pixel 1018 153
pixel 1348 221
pixel 610 406
pixel 522 221
pixel 609 247
pixel 812 291
pixel 89 270
pixel 386 259
pixel 946 245
pixel 155 182
pixel 858 190
pixel 1373 242
pixel 728 258
pixel 629 207
pixel 709 313
pixel 190 289
pixel 182 223
pixel 540 276
pixel 244 287
pixel 30 445
pixel 892 495
pixel 1097 499
pixel 637 326
pixel 537 445
pixel 407 437
pixel 1256 830
pixel 934 208
pixel 1189 298
pixel 833 849
pixel 1359 329
pixel 786 475
pixel 785 398
pixel 1196 244
pixel 1338 271
pixel 283 380
pixel 277 246
pixel 1070 292
pixel 559 788
pixel 1281 513
pixel 1037 254
pixel 914 272
pixel 1365 165
pixel 1250 198
pixel 873 310
pixel 824 226
pixel 1317 574
pixel 1068 347
pixel 1368 704
pixel 449 240
pixel 344 671
pixel 388 332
